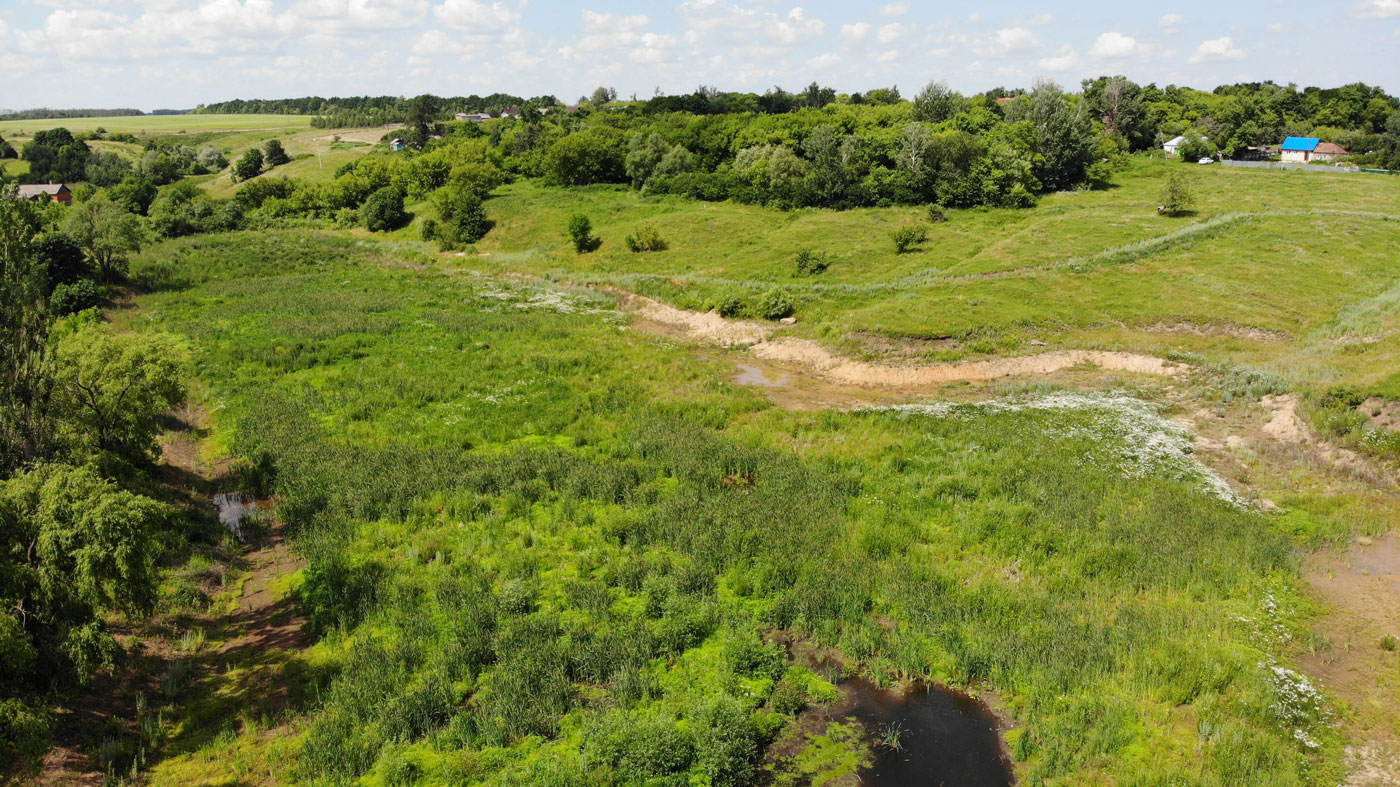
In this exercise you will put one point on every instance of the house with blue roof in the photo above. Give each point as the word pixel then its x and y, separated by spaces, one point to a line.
pixel 1307 149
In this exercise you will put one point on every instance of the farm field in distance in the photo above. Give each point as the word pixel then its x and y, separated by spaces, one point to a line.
pixel 749 506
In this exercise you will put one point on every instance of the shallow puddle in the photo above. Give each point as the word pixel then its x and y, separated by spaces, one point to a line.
pixel 929 735
pixel 752 375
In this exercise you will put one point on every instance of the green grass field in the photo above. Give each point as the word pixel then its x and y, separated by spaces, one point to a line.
pixel 543 545
pixel 146 125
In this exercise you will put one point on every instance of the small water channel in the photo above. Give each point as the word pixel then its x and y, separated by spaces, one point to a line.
pixel 944 737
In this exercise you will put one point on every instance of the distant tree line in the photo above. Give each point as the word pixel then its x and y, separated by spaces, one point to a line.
pixel 56 114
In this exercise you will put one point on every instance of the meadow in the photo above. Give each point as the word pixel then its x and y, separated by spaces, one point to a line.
pixel 1288 272
pixel 544 548
pixel 145 125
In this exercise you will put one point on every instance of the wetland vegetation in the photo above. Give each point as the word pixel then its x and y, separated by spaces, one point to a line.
pixel 499 525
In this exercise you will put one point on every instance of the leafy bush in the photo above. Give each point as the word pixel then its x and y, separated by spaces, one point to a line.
pixel 908 238
pixel 70 298
pixel 274 155
pixel 645 238
pixel 789 697
pixel 775 305
pixel 463 217
pixel 731 305
pixel 249 166
pixel 811 263
pixel 936 214
pixel 581 233
pixel 383 211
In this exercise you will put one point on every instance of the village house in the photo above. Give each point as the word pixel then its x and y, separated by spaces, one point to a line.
pixel 46 192
pixel 1307 149
pixel 474 117
pixel 396 144
pixel 510 113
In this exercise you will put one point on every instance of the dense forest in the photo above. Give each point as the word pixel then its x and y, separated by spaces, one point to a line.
pixel 54 114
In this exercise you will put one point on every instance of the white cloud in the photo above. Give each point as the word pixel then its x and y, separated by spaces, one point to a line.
pixel 1063 60
pixel 889 56
pixel 1277 27
pixel 893 32
pixel 895 10
pixel 654 48
pixel 1038 20
pixel 798 26
pixel 1170 23
pixel 822 62
pixel 1377 9
pixel 1217 49
pixel 1007 40
pixel 474 17
pixel 363 13
pixel 1116 44
pixel 941 51
pixel 856 33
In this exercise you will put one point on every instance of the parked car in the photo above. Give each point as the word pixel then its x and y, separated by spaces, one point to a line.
pixel 1206 160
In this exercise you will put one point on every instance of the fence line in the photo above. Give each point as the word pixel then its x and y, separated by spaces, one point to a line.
pixel 1293 165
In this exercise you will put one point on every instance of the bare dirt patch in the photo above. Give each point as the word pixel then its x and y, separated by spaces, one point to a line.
pixel 814 358
pixel 1382 413
pixel 1284 424
pixel 1216 329
pixel 1361 591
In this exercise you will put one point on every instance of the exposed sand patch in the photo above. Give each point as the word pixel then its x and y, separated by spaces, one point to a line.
pixel 710 327
pixel 1382 413
pixel 1285 425
pixel 821 360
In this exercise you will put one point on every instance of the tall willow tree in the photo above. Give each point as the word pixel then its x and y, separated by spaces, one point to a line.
pixel 23 332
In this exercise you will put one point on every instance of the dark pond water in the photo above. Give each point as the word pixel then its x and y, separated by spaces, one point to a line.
pixel 945 738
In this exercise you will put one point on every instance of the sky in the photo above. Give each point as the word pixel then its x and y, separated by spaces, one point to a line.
pixel 151 54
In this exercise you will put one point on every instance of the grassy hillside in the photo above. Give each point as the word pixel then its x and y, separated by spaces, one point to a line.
pixel 1302 262
pixel 547 549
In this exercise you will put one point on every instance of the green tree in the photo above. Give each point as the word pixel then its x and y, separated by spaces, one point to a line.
pixel 1176 196
pixel 383 211
pixel 110 391
pixel 107 232
pixel 211 158
pixel 1064 137
pixel 136 192
pixel 423 112
pixel 274 155
pixel 63 259
pixel 644 152
pixel 249 166
pixel 74 549
pixel 937 102
pixel 463 216
pixel 23 334
pixel 106 169
pixel 581 233
pixel 1117 102
pixel 584 158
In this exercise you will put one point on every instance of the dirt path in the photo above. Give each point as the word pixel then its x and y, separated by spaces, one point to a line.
pixel 815 359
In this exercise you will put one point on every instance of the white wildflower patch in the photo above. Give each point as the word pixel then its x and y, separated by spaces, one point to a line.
pixel 1297 702
pixel 542 298
pixel 1138 439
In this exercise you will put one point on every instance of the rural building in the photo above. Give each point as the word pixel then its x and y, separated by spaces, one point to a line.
pixel 46 192
pixel 1172 144
pixel 510 113
pixel 474 117
pixel 1305 149
pixel 396 144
